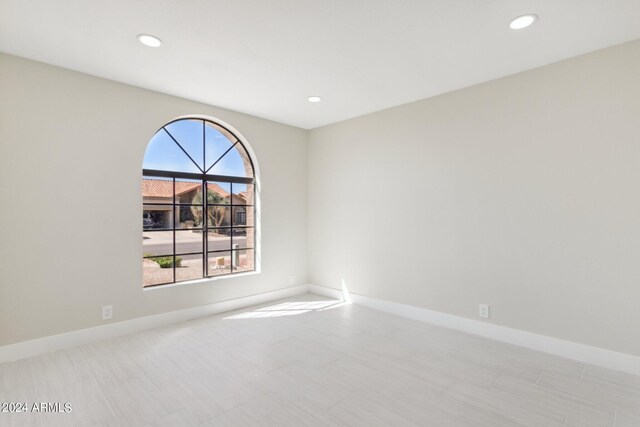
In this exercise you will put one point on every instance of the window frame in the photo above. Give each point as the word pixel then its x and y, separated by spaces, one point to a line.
pixel 204 179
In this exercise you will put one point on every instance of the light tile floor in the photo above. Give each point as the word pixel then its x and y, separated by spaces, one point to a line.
pixel 309 361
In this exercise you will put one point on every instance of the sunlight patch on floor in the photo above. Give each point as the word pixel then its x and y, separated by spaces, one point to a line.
pixel 292 308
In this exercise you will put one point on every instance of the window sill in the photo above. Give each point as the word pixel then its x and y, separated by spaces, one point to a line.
pixel 200 281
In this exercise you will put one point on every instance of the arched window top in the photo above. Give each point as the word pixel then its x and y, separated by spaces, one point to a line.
pixel 198 146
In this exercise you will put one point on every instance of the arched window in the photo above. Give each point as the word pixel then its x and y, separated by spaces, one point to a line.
pixel 186 235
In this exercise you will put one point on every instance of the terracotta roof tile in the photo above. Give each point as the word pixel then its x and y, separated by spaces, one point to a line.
pixel 164 188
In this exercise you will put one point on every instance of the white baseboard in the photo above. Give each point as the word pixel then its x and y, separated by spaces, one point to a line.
pixel 571 350
pixel 44 345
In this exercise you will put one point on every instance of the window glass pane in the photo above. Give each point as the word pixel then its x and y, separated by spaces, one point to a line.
pixel 243 215
pixel 242 238
pixel 219 263
pixel 218 239
pixel 218 192
pixel 217 141
pixel 153 274
pixel 157 217
pixel 164 154
pixel 188 191
pixel 189 135
pixel 251 237
pixel 188 267
pixel 246 160
pixel 243 260
pixel 157 243
pixel 188 241
pixel 242 194
pixel 219 216
pixel 234 163
pixel 157 190
pixel 188 217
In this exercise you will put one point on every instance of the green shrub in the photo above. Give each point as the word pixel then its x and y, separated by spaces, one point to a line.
pixel 167 261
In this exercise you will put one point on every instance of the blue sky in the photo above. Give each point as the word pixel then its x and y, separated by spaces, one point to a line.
pixel 164 154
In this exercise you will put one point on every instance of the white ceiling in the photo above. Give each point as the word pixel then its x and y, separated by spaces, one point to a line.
pixel 266 57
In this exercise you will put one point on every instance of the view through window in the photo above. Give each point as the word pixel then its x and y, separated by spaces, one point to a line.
pixel 186 235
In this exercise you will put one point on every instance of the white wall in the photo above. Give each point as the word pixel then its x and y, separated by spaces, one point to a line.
pixel 71 149
pixel 521 193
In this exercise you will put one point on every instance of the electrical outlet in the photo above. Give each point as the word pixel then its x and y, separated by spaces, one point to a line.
pixel 107 312
pixel 483 311
pixel 292 279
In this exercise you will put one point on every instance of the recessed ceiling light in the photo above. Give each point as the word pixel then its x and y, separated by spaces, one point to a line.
pixel 149 40
pixel 523 21
pixel 314 99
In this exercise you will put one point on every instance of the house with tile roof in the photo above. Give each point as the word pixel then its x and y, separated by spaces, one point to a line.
pixel 157 196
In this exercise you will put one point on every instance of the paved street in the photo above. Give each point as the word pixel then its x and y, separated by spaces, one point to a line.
pixel 161 242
